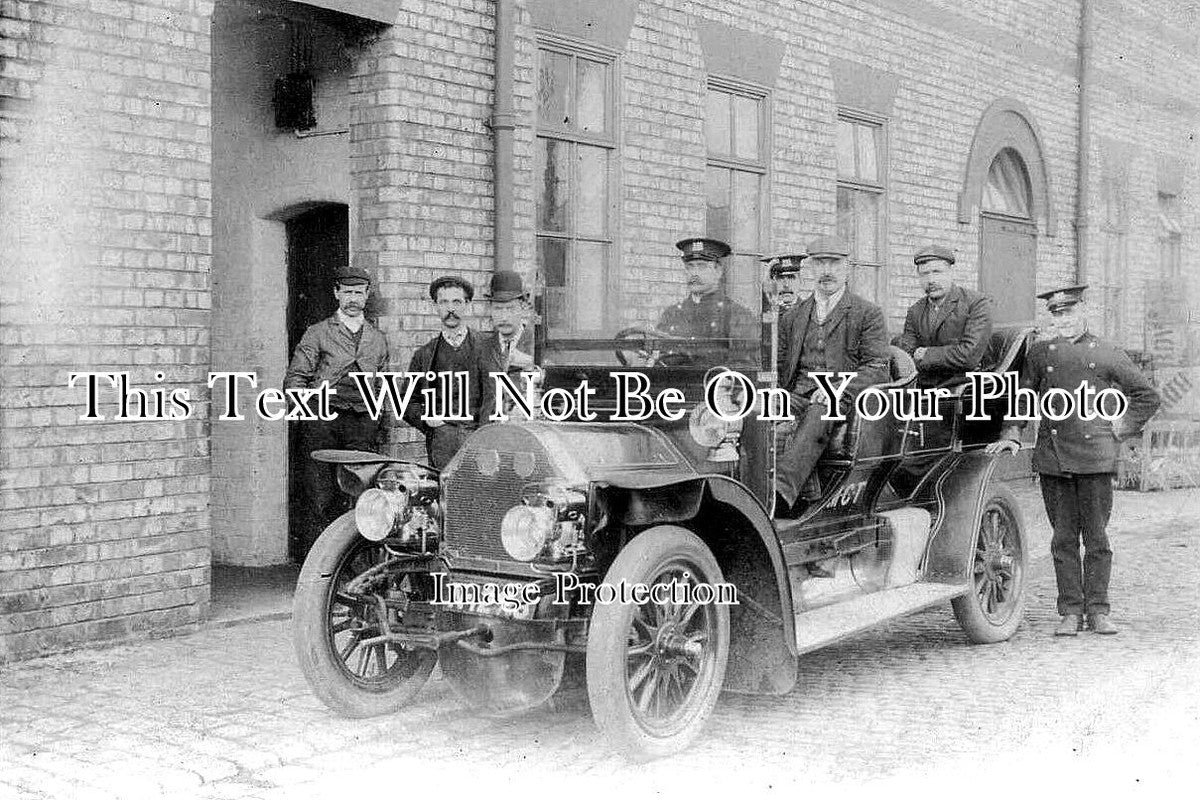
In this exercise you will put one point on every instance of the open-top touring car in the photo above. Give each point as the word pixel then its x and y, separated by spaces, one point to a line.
pixel 909 516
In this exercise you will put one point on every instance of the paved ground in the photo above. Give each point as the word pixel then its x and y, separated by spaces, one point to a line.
pixel 910 707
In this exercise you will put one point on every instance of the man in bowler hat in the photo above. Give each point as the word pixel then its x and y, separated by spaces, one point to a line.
pixel 948 331
pixel 834 330
pixel 1076 458
pixel 512 332
pixel 455 349
pixel 327 353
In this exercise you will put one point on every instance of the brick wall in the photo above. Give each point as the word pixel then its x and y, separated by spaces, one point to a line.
pixel 104 213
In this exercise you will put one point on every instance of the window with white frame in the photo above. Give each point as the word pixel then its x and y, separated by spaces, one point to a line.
pixel 861 194
pixel 1170 236
pixel 735 132
pixel 1114 236
pixel 574 165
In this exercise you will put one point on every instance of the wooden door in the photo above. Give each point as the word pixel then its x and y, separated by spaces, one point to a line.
pixel 1008 267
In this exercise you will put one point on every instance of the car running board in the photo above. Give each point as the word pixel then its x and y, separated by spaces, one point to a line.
pixel 827 624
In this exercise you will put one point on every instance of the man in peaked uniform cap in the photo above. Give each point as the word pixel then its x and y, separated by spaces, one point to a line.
pixel 731 330
pixel 948 331
pixel 785 274
pixel 1076 457
pixel 834 330
pixel 328 352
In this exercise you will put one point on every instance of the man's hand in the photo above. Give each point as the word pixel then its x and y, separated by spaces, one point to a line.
pixel 435 422
pixel 1003 446
pixel 649 358
pixel 919 354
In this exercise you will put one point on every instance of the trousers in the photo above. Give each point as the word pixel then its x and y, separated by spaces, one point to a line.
pixel 351 430
pixel 442 442
pixel 803 448
pixel 1079 507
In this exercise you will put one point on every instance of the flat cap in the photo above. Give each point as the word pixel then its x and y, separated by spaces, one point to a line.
pixel 931 251
pixel 828 246
pixel 786 265
pixel 452 281
pixel 702 248
pixel 1060 298
pixel 350 276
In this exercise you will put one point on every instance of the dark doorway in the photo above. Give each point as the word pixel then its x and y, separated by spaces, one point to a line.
pixel 1008 267
pixel 318 246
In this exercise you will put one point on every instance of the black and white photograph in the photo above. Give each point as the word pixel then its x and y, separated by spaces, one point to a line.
pixel 513 397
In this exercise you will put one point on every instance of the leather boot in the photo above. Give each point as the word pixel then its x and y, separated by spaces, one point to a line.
pixel 1070 625
pixel 1100 623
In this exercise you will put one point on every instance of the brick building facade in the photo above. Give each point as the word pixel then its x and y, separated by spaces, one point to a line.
pixel 156 220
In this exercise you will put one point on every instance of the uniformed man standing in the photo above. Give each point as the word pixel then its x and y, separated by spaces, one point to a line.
pixel 947 332
pixel 1076 458
pixel 785 274
pixel 707 313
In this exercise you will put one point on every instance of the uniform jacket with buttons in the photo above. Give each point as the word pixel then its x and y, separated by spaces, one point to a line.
pixel 955 337
pixel 856 341
pixel 1076 445
pixel 731 330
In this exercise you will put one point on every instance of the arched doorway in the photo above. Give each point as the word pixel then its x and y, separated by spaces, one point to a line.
pixel 1008 239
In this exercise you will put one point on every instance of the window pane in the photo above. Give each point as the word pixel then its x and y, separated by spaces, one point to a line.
pixel 592 218
pixel 858 222
pixel 554 70
pixel 718 224
pixel 716 123
pixel 588 284
pixel 745 116
pixel 552 264
pixel 743 281
pixel 552 173
pixel 745 212
pixel 845 149
pixel 868 164
pixel 1007 189
pixel 593 91
pixel 865 281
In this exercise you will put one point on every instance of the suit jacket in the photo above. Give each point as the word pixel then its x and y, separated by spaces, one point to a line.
pixel 1076 445
pixel 482 401
pixel 857 342
pixel 955 338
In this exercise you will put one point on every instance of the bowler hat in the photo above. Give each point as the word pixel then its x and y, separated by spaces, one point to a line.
pixel 931 251
pixel 826 246
pixel 703 249
pixel 1060 298
pixel 350 276
pixel 506 285
pixel 451 280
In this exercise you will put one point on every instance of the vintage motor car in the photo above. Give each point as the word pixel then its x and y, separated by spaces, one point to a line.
pixel 909 516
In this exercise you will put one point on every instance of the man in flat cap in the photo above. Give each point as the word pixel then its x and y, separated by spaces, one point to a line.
pixel 456 348
pixel 947 332
pixel 785 275
pixel 328 352
pixel 834 330
pixel 1076 458
pixel 730 332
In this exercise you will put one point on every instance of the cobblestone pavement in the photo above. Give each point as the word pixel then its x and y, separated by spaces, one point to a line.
pixel 225 713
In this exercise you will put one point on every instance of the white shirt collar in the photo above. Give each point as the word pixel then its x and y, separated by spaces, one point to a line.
pixel 826 304
pixel 353 324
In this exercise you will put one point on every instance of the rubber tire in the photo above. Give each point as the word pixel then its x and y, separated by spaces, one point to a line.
pixel 967 610
pixel 310 617
pixel 640 562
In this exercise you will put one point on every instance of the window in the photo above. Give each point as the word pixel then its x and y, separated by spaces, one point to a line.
pixel 1114 233
pixel 573 176
pixel 860 196
pixel 1170 236
pixel 1007 190
pixel 735 126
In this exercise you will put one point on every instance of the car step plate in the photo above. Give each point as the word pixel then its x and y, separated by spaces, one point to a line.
pixel 822 626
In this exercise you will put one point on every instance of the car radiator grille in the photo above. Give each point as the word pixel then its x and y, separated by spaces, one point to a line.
pixel 495 466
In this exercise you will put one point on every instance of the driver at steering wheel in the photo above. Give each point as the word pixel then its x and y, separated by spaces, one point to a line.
pixel 726 331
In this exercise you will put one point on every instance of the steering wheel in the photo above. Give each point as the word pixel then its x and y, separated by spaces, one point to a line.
pixel 647 342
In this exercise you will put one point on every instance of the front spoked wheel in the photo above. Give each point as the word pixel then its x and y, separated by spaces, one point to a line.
pixel 993 609
pixel 654 670
pixel 342 596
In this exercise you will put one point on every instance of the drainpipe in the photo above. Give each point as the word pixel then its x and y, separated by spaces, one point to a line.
pixel 503 122
pixel 1083 169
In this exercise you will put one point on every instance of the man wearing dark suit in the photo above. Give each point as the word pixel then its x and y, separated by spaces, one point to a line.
pixel 947 332
pixel 1077 457
pixel 455 349
pixel 834 330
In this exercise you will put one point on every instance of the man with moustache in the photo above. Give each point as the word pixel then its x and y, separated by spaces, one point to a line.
pixel 785 274
pixel 1076 457
pixel 834 330
pixel 511 334
pixel 327 353
pixel 948 331
pixel 455 349
pixel 729 332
